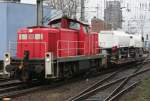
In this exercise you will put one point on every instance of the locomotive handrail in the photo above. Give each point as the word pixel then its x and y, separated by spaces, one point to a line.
pixel 71 48
pixel 15 48
pixel 68 49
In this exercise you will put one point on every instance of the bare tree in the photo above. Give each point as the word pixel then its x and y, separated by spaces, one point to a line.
pixel 67 7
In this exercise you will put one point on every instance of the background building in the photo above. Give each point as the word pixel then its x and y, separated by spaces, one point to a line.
pixel 113 14
pixel 98 25
pixel 14 16
pixel 28 1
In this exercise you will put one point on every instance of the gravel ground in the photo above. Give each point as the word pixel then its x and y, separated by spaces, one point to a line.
pixel 100 96
pixel 62 93
pixel 140 77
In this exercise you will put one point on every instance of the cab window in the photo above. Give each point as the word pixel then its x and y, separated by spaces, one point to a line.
pixel 74 25
pixel 38 36
pixel 31 37
pixel 86 29
pixel 23 37
pixel 56 25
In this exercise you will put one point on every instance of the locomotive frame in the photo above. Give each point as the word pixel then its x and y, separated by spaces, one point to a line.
pixel 52 68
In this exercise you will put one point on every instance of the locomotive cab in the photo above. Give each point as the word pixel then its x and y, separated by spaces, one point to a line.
pixel 32 41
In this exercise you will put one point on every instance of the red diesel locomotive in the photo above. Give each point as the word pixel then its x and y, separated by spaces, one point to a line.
pixel 61 50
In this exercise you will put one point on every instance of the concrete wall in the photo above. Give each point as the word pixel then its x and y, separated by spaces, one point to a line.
pixel 3 29
pixel 12 17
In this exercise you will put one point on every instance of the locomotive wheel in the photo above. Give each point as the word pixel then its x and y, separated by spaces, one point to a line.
pixel 9 68
pixel 68 71
pixel 41 76
pixel 24 76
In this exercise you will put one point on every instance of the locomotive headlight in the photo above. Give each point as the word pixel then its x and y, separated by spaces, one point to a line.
pixel 47 60
pixel 20 67
pixel 7 59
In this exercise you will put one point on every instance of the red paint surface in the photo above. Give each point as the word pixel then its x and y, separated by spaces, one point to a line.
pixel 62 42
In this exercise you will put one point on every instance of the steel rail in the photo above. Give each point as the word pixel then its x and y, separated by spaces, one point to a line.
pixel 117 89
pixel 5 79
pixel 16 88
pixel 98 83
pixel 32 88
pixel 85 95
pixel 81 97
pixel 22 91
pixel 113 98
pixel 9 83
pixel 94 85
pixel 122 84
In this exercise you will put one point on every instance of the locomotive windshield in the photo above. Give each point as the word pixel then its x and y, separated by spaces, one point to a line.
pixel 56 25
pixel 86 29
pixel 23 37
pixel 74 25
pixel 68 24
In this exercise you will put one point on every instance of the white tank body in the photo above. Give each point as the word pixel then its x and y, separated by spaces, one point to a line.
pixel 109 39
pixel 136 41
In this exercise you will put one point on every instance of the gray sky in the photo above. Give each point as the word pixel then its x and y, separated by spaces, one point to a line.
pixel 139 13
pixel 29 1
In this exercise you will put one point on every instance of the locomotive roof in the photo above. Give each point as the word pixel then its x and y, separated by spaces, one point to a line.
pixel 73 20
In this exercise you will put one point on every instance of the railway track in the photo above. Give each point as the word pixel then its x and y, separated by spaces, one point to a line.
pixel 13 88
pixel 121 89
pixel 103 85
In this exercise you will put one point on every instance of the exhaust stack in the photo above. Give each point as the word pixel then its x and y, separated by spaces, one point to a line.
pixel 39 12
